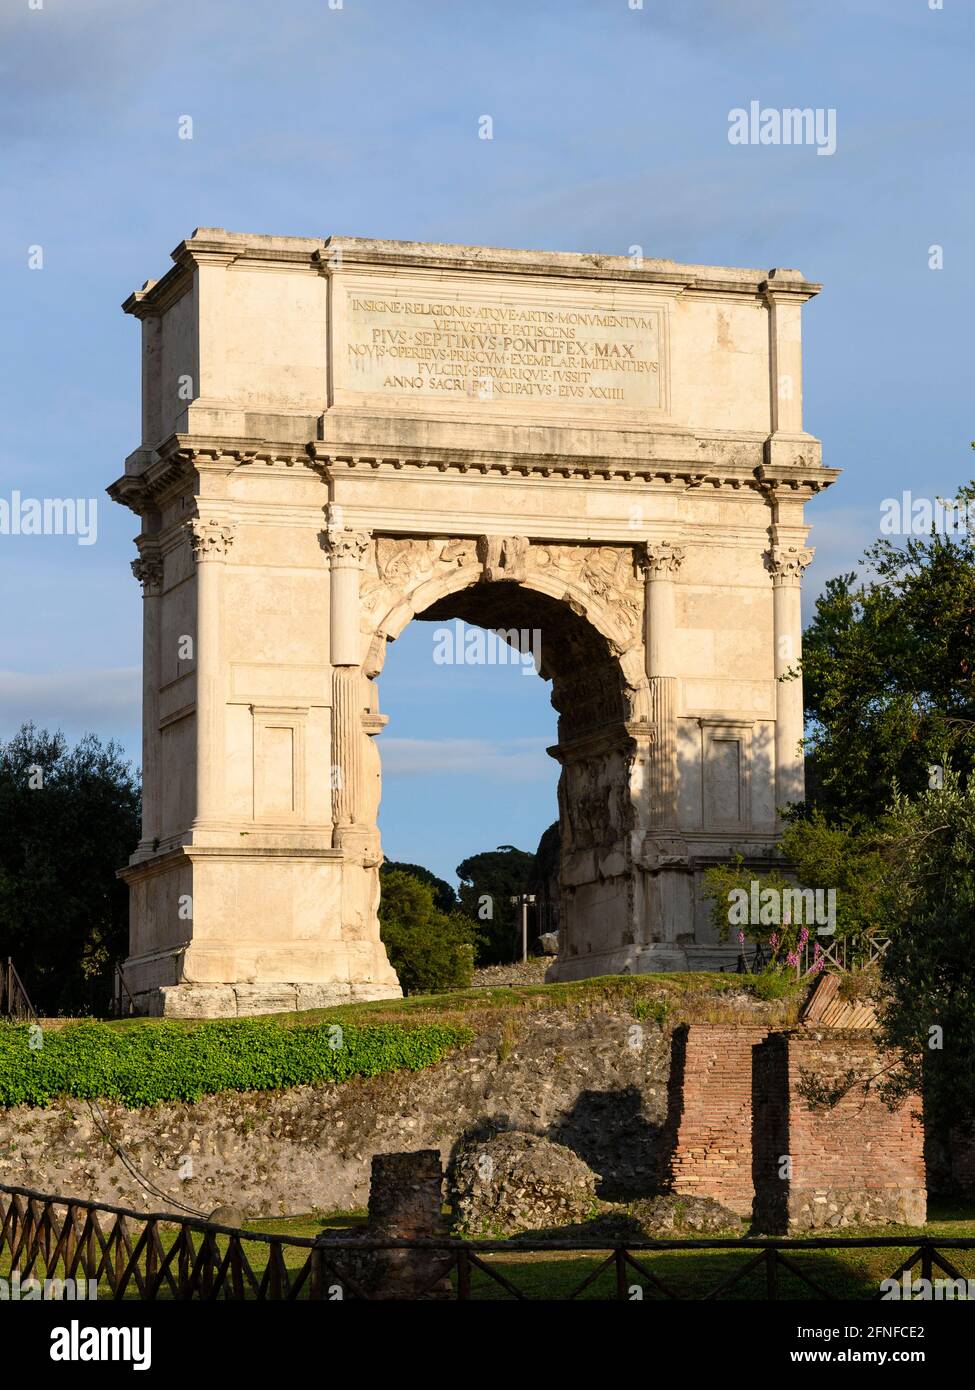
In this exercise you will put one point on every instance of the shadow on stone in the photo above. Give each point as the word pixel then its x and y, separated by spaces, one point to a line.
pixel 609 1132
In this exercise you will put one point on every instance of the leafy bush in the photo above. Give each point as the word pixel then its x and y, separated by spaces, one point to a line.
pixel 773 983
pixel 152 1062
pixel 430 950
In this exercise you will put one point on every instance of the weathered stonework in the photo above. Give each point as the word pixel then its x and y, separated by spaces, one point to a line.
pixel 706 1114
pixel 342 436
pixel 405 1203
pixel 517 1182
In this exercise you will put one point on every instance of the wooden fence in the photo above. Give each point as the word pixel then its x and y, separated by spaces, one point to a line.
pixel 14 1002
pixel 163 1256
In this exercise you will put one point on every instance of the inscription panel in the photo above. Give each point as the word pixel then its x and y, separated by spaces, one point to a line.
pixel 490 344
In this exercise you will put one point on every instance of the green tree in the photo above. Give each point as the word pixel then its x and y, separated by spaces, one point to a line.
pixel 430 950
pixel 853 859
pixel 928 971
pixel 69 818
pixel 487 883
pixel 444 896
pixel 887 670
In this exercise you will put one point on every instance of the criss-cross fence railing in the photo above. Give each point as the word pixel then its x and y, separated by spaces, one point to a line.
pixel 129 1254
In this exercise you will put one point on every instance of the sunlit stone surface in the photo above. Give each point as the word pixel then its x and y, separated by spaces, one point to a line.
pixel 341 435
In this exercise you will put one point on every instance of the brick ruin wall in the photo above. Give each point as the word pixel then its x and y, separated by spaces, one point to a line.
pixel 748 1135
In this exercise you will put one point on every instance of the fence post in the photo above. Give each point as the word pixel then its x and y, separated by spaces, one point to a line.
pixel 463 1276
pixel 620 1261
pixel 771 1274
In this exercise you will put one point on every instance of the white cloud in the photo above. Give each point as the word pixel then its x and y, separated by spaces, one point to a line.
pixel 504 760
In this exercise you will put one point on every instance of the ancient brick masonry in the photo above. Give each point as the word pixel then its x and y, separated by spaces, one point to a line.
pixel 745 1134
pixel 711 1113
pixel 853 1163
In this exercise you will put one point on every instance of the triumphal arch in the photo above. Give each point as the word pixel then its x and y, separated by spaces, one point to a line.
pixel 340 436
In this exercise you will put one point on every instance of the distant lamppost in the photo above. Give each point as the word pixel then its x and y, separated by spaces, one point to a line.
pixel 524 899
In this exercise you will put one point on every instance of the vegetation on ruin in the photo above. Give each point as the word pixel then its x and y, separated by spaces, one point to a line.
pixel 165 1060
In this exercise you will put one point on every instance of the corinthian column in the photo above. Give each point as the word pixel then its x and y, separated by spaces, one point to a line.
pixel 663 561
pixel 787 563
pixel 148 569
pixel 345 549
pixel 210 541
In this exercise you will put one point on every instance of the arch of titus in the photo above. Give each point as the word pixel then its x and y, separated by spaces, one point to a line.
pixel 342 435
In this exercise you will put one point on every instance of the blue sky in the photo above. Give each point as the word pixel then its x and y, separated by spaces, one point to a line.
pixel 610 129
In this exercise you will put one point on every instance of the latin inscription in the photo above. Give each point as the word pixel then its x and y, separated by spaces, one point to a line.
pixel 465 348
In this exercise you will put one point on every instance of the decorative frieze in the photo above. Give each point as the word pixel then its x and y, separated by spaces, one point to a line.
pixel 503 557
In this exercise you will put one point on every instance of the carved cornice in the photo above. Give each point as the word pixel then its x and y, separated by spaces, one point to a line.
pixel 156 472
pixel 682 474
pixel 303 254
pixel 787 562
pixel 802 477
pixel 677 462
pixel 210 540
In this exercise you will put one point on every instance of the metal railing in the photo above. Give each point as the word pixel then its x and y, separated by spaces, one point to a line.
pixel 165 1256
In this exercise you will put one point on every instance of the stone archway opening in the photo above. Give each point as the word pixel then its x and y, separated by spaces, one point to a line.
pixel 597 746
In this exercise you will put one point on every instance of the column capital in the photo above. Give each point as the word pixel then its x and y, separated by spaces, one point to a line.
pixel 661 559
pixel 148 568
pixel 210 540
pixel 344 547
pixel 787 562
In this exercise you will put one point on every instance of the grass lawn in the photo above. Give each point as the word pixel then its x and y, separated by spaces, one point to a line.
pixel 851 1273
pixel 685 996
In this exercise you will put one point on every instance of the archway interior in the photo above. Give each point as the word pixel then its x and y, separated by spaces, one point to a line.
pixel 587 690
pixel 594 748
